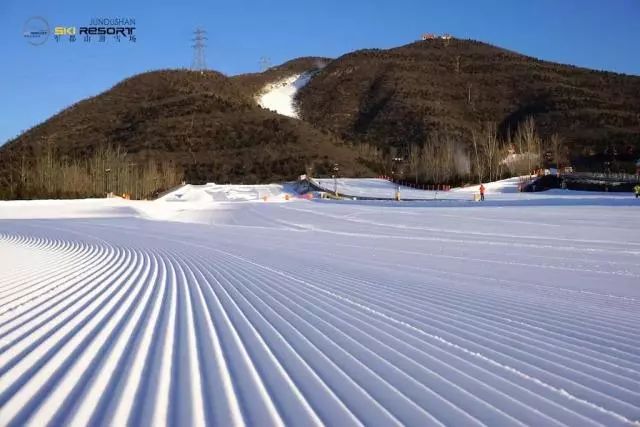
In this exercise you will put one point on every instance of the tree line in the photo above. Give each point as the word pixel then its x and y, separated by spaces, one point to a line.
pixel 42 172
pixel 444 159
pixel 46 174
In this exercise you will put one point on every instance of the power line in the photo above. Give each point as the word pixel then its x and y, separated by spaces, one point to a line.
pixel 199 63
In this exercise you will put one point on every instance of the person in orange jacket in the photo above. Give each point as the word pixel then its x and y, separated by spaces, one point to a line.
pixel 481 192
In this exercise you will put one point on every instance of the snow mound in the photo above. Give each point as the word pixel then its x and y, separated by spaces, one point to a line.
pixel 280 96
pixel 210 192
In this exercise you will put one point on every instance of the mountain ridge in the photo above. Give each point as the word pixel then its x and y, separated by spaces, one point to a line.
pixel 451 87
pixel 210 126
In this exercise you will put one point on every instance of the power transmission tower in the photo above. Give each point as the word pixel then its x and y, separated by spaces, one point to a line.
pixel 265 63
pixel 199 63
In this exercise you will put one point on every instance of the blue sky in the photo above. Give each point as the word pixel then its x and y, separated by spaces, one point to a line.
pixel 38 81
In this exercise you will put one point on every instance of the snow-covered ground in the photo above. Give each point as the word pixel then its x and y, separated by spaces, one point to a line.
pixel 502 193
pixel 280 96
pixel 373 187
pixel 514 311
pixel 227 193
pixel 509 185
pixel 384 189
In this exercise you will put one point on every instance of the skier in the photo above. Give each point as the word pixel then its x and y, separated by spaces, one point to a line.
pixel 636 189
pixel 481 192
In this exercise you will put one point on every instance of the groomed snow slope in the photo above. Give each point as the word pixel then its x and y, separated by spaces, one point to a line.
pixel 308 313
pixel 373 188
pixel 509 185
pixel 280 96
pixel 499 193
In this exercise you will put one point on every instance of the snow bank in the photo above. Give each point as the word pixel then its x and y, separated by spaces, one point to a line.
pixel 208 193
pixel 378 189
pixel 187 204
pixel 280 96
pixel 384 189
pixel 500 193
pixel 509 185
pixel 213 203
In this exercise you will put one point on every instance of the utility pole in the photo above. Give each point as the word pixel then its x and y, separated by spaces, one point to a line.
pixel 335 179
pixel 133 180
pixel 199 63
pixel 397 169
pixel 106 181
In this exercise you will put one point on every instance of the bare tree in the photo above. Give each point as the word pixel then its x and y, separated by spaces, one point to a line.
pixel 557 146
pixel 490 149
pixel 529 148
pixel 447 156
pixel 475 138
pixel 414 161
pixel 528 135
pixel 47 174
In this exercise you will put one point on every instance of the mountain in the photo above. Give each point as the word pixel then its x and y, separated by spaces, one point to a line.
pixel 210 127
pixel 252 83
pixel 399 96
pixel 203 122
